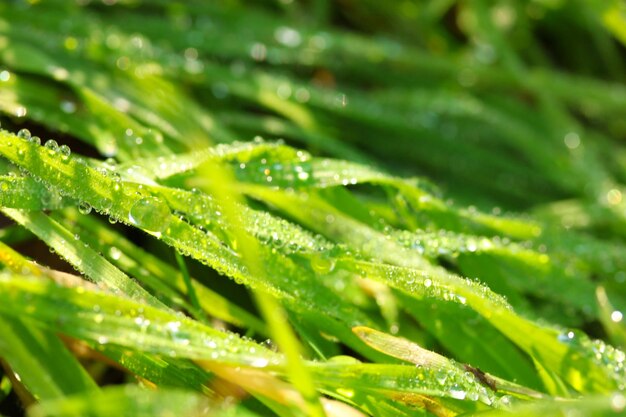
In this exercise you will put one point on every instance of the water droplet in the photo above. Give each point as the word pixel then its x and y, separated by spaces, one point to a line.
pixel 566 337
pixel 150 214
pixel 572 140
pixel 457 392
pixel 303 176
pixel 84 208
pixel 24 134
pixel 617 316
pixel 505 400
pixel 259 363
pixel 115 253
pixel 618 403
pixel 35 140
pixel 322 264
pixel 65 152
pixel 614 197
pixel 441 376
pixel 68 106
pixel 288 36
pixel 258 52
pixel 173 328
pixel 52 146
pixel 21 111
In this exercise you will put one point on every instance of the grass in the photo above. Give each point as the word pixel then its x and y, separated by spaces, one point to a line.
pixel 318 208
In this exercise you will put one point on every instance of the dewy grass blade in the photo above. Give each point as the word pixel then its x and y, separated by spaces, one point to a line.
pixel 81 256
pixel 40 360
pixel 51 372
pixel 124 322
pixel 141 264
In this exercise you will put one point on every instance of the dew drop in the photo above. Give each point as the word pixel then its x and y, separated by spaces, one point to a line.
pixel 35 140
pixel 441 376
pixel 52 146
pixel 473 395
pixel 65 152
pixel 150 214
pixel 24 134
pixel 115 253
pixel 68 107
pixel 322 264
pixel 572 140
pixel 505 400
pixel 259 363
pixel 457 392
pixel 617 316
pixel 173 328
pixel 84 208
pixel 618 403
pixel 566 337
pixel 288 36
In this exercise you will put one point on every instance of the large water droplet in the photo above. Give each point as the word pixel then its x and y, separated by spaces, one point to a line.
pixel 115 253
pixel 24 134
pixel 617 316
pixel 457 392
pixel 84 208
pixel 618 403
pixel 322 264
pixel 52 146
pixel 65 152
pixel 150 214
pixel 441 376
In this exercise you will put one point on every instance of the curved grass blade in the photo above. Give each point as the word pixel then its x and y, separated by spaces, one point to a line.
pixel 38 358
pixel 411 352
pixel 103 318
pixel 141 264
pixel 80 255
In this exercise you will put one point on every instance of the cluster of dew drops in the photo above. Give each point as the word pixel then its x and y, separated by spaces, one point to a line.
pixel 148 213
pixel 51 145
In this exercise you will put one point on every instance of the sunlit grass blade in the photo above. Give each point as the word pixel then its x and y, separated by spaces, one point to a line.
pixel 121 321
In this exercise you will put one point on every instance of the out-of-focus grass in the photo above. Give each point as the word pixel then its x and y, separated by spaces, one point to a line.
pixel 312 208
